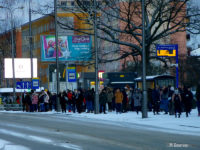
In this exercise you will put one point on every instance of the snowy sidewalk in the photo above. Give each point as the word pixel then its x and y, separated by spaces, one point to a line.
pixel 162 122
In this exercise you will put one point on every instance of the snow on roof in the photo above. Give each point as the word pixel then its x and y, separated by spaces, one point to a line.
pixel 147 77
pixel 195 52
pixel 10 90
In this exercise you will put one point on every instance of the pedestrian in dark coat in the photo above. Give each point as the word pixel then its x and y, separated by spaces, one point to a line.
pixel 24 101
pixel 187 100
pixel 124 101
pixel 28 102
pixel 63 101
pixel 176 99
pixel 198 98
pixel 79 102
pixel 156 100
pixel 103 101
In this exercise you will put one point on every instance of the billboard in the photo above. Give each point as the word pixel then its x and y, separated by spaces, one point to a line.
pixel 70 48
pixel 167 50
pixel 22 68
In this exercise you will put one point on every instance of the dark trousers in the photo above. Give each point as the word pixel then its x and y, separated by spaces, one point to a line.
pixel 198 107
pixel 177 108
pixel 110 106
pixel 138 108
pixel 156 107
pixel 63 107
pixel 102 108
pixel 118 107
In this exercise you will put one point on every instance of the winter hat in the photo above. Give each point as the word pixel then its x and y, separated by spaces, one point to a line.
pixel 172 88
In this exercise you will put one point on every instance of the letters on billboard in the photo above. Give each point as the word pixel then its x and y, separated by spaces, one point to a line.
pixel 70 48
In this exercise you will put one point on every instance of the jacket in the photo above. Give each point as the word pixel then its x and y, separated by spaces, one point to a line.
pixel 118 97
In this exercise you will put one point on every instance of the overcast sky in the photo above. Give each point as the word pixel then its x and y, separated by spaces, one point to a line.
pixel 21 16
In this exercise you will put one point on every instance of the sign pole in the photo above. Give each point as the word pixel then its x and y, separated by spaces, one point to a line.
pixel 177 67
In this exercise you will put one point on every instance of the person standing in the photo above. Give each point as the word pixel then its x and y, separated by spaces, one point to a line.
pixel 118 100
pixel 176 99
pixel 198 98
pixel 89 96
pixel 187 100
pixel 103 101
pixel 24 101
pixel 35 101
pixel 137 96
pixel 28 102
pixel 18 100
pixel 109 99
pixel 79 101
pixel 164 100
pixel 156 100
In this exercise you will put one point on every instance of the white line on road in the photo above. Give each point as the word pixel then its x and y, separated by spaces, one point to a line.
pixel 37 139
pixel 6 145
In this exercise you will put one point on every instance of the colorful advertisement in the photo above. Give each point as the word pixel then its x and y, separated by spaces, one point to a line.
pixel 70 48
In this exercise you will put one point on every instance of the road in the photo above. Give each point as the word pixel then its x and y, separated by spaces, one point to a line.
pixel 32 131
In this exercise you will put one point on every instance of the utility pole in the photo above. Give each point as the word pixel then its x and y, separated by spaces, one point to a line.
pixel 57 59
pixel 30 41
pixel 13 56
pixel 144 88
pixel 96 61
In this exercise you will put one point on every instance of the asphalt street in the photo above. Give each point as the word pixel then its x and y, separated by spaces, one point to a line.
pixel 57 131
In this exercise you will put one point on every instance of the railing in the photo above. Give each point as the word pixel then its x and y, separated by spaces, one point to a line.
pixel 14 107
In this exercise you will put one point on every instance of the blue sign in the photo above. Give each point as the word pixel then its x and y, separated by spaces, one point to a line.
pixel 167 50
pixel 170 50
pixel 23 85
pixel 71 74
pixel 35 84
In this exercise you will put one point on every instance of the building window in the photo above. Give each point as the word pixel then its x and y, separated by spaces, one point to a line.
pixel 188 37
pixel 63 3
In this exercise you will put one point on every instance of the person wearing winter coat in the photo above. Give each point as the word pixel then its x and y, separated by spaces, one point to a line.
pixel 156 100
pixel 171 103
pixel 109 99
pixel 164 100
pixel 63 100
pixel 89 96
pixel 79 101
pixel 137 96
pixel 35 101
pixel 198 98
pixel 28 101
pixel 176 99
pixel 103 101
pixel 124 101
pixel 118 100
pixel 42 100
pixel 187 100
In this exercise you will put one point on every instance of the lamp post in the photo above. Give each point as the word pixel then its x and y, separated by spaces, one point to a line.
pixel 144 88
pixel 96 61
pixel 57 58
pixel 30 40
pixel 11 11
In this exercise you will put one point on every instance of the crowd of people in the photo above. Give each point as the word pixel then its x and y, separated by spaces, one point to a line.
pixel 166 99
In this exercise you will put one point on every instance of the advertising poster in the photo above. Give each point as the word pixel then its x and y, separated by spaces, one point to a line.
pixel 70 48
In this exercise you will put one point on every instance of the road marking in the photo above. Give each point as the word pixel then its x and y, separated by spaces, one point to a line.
pixel 38 139
pixel 6 145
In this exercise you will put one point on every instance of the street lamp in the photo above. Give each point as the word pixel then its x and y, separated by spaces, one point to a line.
pixel 57 58
pixel 11 11
pixel 96 61
pixel 144 87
